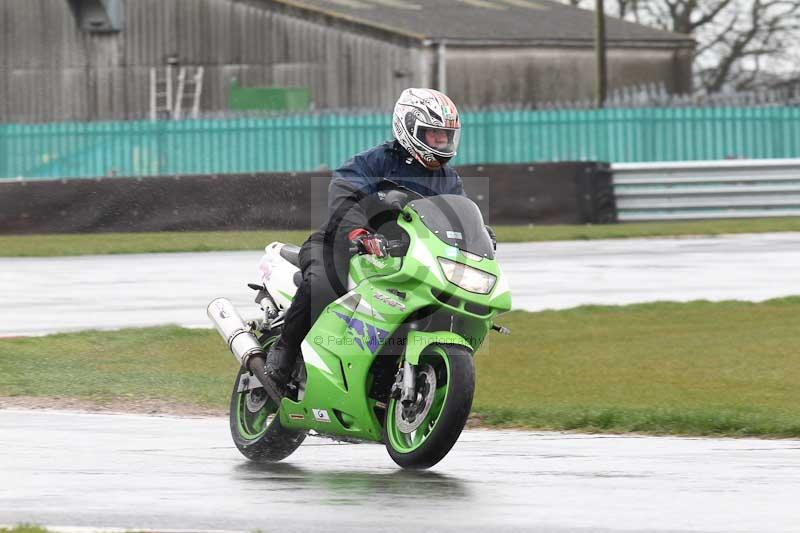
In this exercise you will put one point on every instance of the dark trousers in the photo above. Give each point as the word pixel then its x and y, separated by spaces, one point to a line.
pixel 325 270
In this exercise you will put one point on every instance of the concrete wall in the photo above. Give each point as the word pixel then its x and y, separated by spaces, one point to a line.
pixel 541 193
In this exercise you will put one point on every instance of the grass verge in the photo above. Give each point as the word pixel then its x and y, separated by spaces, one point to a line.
pixel 128 243
pixel 700 228
pixel 700 368
pixel 142 243
pixel 24 528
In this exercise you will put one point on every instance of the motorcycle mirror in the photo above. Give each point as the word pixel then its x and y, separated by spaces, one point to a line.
pixel 396 199
pixel 386 185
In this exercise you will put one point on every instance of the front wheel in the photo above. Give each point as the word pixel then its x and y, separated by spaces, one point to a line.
pixel 421 434
pixel 256 427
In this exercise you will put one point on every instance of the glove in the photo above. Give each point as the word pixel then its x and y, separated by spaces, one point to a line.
pixel 492 235
pixel 369 243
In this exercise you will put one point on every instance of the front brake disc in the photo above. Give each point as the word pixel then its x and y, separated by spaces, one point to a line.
pixel 408 419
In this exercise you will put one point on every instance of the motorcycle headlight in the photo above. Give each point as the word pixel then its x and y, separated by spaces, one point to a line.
pixel 468 278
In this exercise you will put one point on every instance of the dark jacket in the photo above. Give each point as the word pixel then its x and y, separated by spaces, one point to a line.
pixel 352 199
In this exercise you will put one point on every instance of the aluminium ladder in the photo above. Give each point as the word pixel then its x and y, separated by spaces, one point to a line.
pixel 168 104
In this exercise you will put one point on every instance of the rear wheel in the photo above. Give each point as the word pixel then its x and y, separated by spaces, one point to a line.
pixel 255 425
pixel 421 434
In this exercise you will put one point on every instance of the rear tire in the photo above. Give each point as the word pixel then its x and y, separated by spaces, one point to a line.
pixel 442 424
pixel 256 427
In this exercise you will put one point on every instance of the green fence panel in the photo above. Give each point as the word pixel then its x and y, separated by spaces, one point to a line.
pixel 322 141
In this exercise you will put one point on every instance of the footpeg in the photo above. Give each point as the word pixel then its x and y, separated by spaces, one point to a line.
pixel 502 330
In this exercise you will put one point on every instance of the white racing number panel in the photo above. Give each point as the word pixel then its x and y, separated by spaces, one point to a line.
pixel 321 415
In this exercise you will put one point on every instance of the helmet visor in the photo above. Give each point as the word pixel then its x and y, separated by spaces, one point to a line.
pixel 441 141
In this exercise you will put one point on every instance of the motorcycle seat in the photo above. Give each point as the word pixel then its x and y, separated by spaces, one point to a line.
pixel 291 253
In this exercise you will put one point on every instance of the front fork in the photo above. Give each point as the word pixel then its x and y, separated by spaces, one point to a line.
pixel 409 393
pixel 405 384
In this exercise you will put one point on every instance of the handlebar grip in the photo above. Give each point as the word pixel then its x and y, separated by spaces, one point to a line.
pixel 389 246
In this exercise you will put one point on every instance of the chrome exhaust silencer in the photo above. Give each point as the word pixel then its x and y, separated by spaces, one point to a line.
pixel 239 338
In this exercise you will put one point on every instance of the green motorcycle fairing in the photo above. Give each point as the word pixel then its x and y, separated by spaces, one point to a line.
pixel 372 320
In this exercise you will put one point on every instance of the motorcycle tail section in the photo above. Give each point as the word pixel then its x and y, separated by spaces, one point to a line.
pixel 278 275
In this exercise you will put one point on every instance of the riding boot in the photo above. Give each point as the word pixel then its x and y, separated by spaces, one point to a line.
pixel 280 361
pixel 274 372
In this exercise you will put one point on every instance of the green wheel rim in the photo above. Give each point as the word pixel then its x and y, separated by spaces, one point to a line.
pixel 253 425
pixel 408 442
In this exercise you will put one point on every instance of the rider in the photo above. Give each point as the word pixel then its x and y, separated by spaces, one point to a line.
pixel 426 129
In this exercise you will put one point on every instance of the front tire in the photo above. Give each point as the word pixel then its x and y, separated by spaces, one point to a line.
pixel 421 436
pixel 256 427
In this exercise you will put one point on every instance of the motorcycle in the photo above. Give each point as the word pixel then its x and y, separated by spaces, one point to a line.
pixel 392 359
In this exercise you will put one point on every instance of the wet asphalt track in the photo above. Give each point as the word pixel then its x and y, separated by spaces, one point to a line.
pixel 43 295
pixel 168 473
pixel 130 471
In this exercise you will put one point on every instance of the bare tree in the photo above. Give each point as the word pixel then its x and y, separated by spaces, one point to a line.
pixel 742 44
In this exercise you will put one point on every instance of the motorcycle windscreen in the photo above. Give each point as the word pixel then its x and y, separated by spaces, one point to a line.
pixel 457 221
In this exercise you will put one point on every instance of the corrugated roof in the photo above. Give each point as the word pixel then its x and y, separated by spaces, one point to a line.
pixel 501 21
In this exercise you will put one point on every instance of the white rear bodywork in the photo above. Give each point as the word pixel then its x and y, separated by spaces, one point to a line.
pixel 277 275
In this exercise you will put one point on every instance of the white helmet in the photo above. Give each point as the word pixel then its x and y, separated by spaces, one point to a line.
pixel 426 123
